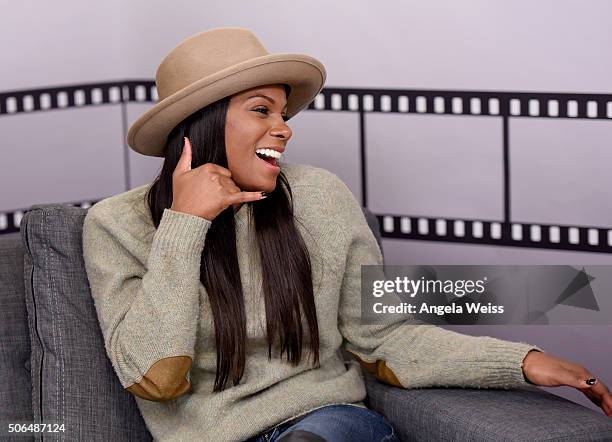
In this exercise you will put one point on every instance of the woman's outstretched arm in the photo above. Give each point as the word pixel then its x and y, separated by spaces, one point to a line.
pixel 411 353
pixel 148 311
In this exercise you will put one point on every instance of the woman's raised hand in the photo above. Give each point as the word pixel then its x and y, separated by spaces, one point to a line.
pixel 550 371
pixel 206 190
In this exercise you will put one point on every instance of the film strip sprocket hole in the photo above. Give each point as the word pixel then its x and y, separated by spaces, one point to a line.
pixel 441 102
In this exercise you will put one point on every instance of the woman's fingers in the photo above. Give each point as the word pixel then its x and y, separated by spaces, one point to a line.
pixel 595 397
pixel 184 162
pixel 607 404
pixel 550 371
pixel 244 197
pixel 599 394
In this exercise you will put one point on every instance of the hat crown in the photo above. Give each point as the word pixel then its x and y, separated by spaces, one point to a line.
pixel 204 54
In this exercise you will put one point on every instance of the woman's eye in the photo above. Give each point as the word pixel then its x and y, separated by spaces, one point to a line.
pixel 285 118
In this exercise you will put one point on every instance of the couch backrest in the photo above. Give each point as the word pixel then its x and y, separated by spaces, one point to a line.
pixel 374 226
pixel 73 381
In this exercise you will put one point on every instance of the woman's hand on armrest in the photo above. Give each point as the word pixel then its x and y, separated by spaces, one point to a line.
pixel 166 380
pixel 547 370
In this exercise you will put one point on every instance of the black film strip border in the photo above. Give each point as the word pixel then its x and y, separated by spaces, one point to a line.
pixel 543 236
pixel 533 235
pixel 74 96
pixel 472 103
pixel 417 101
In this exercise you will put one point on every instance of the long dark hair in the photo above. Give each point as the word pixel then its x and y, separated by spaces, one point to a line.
pixel 287 279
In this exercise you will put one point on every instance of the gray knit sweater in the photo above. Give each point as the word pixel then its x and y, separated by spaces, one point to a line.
pixel 151 305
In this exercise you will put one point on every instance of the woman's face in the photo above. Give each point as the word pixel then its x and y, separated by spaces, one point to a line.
pixel 254 122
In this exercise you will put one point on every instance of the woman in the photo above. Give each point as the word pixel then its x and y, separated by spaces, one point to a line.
pixel 253 352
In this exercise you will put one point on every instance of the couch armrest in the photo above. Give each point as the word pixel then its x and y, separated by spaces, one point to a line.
pixel 457 414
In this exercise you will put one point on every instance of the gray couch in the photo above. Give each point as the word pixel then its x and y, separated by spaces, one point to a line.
pixel 54 367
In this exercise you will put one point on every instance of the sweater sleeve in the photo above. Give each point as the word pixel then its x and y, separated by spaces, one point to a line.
pixel 410 353
pixel 149 310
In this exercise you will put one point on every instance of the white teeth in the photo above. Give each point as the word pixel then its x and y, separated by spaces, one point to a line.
pixel 269 153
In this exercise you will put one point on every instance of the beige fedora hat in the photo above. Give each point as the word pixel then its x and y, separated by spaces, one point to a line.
pixel 212 65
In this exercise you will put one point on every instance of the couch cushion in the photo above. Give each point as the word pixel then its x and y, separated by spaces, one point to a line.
pixel 16 386
pixel 490 415
pixel 73 381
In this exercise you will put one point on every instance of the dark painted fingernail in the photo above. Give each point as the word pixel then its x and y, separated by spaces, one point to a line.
pixel 264 194
pixel 591 381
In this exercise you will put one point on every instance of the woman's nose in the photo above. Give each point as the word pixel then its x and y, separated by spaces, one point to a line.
pixel 282 131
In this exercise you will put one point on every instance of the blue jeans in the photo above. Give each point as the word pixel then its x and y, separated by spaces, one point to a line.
pixel 333 423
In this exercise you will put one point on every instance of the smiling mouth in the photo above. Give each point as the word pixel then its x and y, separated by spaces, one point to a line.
pixel 268 160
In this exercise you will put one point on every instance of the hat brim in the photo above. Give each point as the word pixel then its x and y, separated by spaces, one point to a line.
pixel 305 74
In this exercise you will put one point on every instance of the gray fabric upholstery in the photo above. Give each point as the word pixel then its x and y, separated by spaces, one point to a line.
pixel 445 414
pixel 15 384
pixel 73 380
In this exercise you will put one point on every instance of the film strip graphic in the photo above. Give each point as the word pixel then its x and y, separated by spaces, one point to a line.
pixel 503 105
pixel 72 96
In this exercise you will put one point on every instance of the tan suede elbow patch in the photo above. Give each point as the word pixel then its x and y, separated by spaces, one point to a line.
pixel 165 380
pixel 379 370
